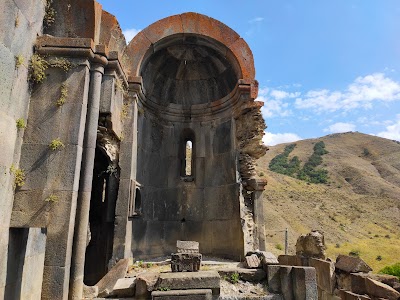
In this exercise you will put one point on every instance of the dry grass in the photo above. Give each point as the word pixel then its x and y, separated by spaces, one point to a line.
pixel 361 200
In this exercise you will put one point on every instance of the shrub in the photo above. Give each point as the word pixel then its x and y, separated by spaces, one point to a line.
pixel 63 95
pixel 19 176
pixel 19 61
pixel 378 258
pixel 355 253
pixel 52 198
pixel 20 123
pixel 235 278
pixel 391 270
pixel 50 14
pixel 56 144
pixel 37 68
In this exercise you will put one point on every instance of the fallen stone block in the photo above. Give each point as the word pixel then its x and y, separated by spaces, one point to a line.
pixel 252 262
pixel 273 278
pixel 252 275
pixel 358 283
pixel 384 278
pixel 325 270
pixel 304 283
pixel 351 264
pixel 379 289
pixel 186 281
pixel 267 258
pixel 145 284
pixel 182 295
pixel 347 295
pixel 125 287
pixel 107 283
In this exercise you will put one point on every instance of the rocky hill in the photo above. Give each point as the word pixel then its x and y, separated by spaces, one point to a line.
pixel 358 208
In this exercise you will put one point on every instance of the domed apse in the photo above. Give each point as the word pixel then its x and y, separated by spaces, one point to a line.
pixel 188 71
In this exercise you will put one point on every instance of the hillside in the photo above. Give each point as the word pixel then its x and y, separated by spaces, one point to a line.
pixel 358 209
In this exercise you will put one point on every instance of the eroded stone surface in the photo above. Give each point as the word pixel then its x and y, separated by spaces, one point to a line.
pixel 252 261
pixel 351 264
pixel 107 283
pixel 196 280
pixel 185 262
pixel 311 245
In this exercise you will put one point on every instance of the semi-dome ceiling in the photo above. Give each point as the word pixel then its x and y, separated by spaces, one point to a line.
pixel 188 70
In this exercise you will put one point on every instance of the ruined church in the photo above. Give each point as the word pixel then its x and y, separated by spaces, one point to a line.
pixel 115 151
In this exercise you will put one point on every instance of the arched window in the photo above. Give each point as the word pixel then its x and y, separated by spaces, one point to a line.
pixel 188 158
pixel 187 154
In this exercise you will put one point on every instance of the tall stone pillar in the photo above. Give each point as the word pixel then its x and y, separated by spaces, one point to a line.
pixel 85 184
pixel 257 187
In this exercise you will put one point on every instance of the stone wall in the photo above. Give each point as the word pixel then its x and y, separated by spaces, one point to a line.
pixel 205 209
pixel 20 23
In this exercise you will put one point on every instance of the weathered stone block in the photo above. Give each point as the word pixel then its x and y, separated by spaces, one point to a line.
pixel 187 247
pixel 90 292
pixel 285 275
pixel 107 283
pixel 379 289
pixel 252 275
pixel 182 295
pixel 185 262
pixel 252 261
pixel 289 260
pixel 125 287
pixel 323 295
pixel 347 295
pixel 268 258
pixel 273 278
pixel 351 264
pixel 196 280
pixel 145 284
pixel 358 283
pixel 325 270
pixel 304 283
pixel 311 245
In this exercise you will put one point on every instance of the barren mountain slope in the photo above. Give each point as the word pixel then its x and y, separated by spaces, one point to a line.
pixel 358 209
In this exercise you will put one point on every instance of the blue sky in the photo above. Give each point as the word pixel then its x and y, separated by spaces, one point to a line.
pixel 323 66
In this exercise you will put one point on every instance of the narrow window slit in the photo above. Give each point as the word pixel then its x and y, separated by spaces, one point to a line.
pixel 188 158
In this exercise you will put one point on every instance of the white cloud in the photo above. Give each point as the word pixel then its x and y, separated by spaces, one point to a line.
pixel 392 132
pixel 278 94
pixel 359 94
pixel 274 106
pixel 272 139
pixel 256 20
pixel 130 34
pixel 340 127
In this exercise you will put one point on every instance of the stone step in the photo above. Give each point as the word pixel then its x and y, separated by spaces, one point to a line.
pixel 204 294
pixel 190 281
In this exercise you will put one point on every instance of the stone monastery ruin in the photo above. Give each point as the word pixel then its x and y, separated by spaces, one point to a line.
pixel 113 151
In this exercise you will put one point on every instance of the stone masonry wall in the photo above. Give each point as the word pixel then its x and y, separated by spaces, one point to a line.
pixel 20 23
